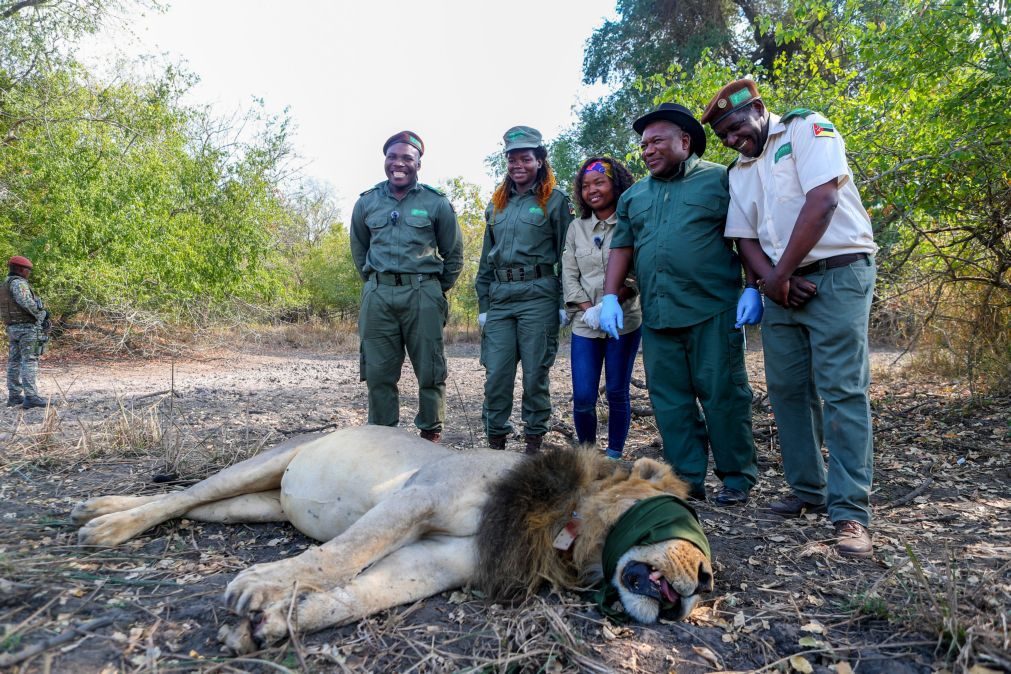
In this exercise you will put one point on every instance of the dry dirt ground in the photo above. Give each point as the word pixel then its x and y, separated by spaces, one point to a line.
pixel 936 594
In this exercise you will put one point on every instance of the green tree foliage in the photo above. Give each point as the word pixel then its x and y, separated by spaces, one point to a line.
pixel 330 277
pixel 121 194
pixel 652 37
pixel 469 207
pixel 920 92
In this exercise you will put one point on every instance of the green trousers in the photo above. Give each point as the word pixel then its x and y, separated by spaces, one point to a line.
pixel 522 326
pixel 702 366
pixel 818 373
pixel 394 318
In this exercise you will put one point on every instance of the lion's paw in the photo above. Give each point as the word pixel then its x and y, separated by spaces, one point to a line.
pixel 261 585
pixel 103 505
pixel 109 530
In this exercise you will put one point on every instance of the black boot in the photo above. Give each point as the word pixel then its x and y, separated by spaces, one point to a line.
pixel 533 443
pixel 497 441
pixel 14 400
pixel 33 401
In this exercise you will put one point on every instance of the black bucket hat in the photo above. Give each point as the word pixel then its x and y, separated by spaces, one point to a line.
pixel 680 115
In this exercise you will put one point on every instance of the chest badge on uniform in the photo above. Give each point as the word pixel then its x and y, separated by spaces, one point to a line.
pixel 783 151
pixel 421 212
pixel 823 130
pixel 537 209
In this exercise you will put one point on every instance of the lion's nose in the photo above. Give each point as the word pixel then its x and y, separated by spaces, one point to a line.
pixel 705 579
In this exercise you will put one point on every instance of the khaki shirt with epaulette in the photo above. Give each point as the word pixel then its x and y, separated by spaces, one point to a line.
pixel 522 235
pixel 584 266
pixel 417 235
pixel 803 150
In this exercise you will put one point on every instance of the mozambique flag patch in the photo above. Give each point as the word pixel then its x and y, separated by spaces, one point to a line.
pixel 823 130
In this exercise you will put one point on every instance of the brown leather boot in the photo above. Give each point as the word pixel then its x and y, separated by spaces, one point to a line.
pixel 497 441
pixel 852 539
pixel 431 436
pixel 533 443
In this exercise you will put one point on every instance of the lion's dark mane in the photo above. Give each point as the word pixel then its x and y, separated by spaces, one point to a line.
pixel 520 520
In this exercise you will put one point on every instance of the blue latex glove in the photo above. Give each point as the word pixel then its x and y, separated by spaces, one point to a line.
pixel 749 308
pixel 563 317
pixel 481 319
pixel 612 319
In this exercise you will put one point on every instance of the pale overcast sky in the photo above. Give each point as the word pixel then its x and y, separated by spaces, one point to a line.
pixel 457 72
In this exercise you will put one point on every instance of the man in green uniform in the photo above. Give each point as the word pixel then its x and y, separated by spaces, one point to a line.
pixel 801 227
pixel 689 278
pixel 518 289
pixel 408 247
pixel 25 318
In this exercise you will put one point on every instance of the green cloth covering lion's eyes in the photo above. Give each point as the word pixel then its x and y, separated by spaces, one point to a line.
pixel 653 520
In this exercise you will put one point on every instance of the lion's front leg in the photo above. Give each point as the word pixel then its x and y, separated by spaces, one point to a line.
pixel 422 569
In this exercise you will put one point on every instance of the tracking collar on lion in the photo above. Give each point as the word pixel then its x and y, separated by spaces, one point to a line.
pixel 652 520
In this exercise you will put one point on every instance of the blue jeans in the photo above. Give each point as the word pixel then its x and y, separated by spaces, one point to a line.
pixel 617 356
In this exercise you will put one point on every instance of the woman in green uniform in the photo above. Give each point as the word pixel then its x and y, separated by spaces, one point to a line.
pixel 518 289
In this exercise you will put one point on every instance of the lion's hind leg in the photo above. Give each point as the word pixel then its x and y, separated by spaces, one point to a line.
pixel 262 472
pixel 416 571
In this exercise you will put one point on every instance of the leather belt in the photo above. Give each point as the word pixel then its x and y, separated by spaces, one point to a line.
pixel 829 263
pixel 524 273
pixel 399 279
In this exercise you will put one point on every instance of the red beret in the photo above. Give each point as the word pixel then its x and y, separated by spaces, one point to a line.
pixel 19 261
pixel 730 98
pixel 408 137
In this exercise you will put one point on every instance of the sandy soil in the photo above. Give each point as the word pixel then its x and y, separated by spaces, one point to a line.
pixel 934 595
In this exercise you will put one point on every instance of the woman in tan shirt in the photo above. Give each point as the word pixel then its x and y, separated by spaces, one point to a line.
pixel 599 182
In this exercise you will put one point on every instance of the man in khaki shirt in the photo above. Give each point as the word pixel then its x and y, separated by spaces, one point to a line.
pixel 803 232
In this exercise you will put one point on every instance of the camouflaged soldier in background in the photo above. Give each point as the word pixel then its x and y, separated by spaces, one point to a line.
pixel 23 315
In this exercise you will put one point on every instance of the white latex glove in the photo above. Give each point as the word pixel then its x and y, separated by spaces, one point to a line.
pixel 481 318
pixel 563 317
pixel 592 317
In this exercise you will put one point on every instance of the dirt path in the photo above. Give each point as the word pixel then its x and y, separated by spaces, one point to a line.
pixel 935 593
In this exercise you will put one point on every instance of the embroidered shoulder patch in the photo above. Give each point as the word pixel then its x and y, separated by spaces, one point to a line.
pixel 823 130
pixel 784 149
pixel 419 212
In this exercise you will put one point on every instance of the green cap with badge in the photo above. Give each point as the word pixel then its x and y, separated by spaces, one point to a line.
pixel 522 138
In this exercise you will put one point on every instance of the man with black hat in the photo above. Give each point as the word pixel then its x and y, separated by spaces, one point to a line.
pixel 670 224
pixel 802 230
pixel 408 248
pixel 24 317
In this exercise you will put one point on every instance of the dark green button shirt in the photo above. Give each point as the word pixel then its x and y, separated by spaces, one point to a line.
pixel 686 269
pixel 522 235
pixel 423 237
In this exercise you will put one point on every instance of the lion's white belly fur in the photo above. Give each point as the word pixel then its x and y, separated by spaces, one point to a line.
pixel 336 479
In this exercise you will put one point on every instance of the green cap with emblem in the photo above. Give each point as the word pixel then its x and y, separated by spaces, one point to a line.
pixel 408 137
pixel 522 138
pixel 730 98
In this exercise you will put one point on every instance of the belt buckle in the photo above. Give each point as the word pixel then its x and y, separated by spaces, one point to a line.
pixel 396 276
pixel 509 274
pixel 523 273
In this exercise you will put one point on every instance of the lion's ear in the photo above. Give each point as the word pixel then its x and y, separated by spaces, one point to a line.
pixel 650 470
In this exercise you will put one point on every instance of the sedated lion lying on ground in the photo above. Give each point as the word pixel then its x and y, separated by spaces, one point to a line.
pixel 403 519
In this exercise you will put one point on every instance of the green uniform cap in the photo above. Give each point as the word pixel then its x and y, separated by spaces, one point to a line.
pixel 522 138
